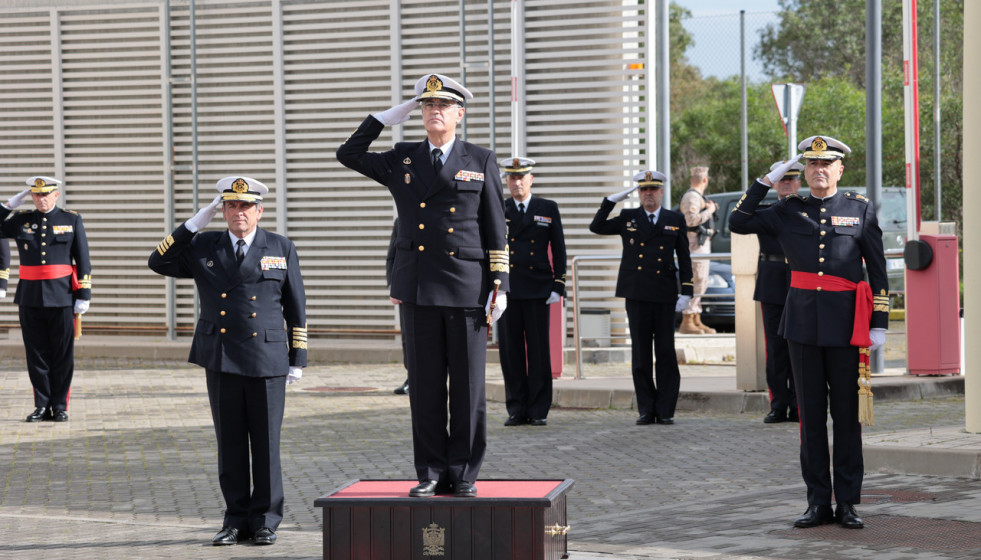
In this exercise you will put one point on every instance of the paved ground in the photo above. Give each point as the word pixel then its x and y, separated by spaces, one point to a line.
pixel 133 474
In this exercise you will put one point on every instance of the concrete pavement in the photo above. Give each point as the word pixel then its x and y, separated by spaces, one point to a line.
pixel 133 474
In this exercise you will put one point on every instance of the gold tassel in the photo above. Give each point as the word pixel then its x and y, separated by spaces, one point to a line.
pixel 865 415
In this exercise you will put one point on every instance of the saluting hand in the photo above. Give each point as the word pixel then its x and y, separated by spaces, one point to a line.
pixel 622 195
pixel 397 114
pixel 204 215
pixel 778 173
pixel 18 198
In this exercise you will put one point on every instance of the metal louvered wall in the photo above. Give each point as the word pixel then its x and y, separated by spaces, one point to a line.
pixel 280 84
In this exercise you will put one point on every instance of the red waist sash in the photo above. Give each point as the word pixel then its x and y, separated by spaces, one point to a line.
pixel 49 272
pixel 863 299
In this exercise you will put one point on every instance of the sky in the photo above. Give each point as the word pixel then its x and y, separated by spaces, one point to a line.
pixel 715 27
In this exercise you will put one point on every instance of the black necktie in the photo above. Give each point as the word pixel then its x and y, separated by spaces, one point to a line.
pixel 651 218
pixel 240 252
pixel 521 207
pixel 437 161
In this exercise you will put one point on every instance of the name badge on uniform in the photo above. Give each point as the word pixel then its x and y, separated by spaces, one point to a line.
pixel 543 220
pixel 844 220
pixel 61 229
pixel 469 176
pixel 671 228
pixel 273 263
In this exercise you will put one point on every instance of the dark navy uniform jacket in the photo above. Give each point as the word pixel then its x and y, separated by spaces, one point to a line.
pixel 647 269
pixel 529 236
pixel 772 276
pixel 55 238
pixel 241 327
pixel 451 242
pixel 830 236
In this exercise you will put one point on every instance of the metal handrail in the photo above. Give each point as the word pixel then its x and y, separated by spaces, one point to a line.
pixel 612 258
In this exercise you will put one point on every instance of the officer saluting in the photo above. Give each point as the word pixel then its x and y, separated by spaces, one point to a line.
pixel 830 313
pixel 450 249
pixel 772 283
pixel 55 282
pixel 652 236
pixel 250 285
pixel 534 226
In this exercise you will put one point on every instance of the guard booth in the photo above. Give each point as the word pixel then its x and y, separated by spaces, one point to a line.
pixel 933 325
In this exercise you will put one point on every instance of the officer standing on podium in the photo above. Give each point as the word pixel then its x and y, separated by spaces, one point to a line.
pixel 534 226
pixel 830 313
pixel 450 250
pixel 251 338
pixel 55 282
pixel 772 283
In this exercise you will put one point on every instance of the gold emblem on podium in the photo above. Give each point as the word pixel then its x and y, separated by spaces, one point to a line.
pixel 433 540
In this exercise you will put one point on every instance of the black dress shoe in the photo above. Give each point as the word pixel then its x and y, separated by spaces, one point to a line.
pixel 227 536
pixel 847 517
pixel 775 417
pixel 665 421
pixel 646 419
pixel 402 389
pixel 814 516
pixel 264 536
pixel 464 489
pixel 515 420
pixel 59 415
pixel 537 422
pixel 38 415
pixel 424 489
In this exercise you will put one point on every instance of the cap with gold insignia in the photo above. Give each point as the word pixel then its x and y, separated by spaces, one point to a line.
pixel 438 86
pixel 241 188
pixel 823 147
pixel 650 179
pixel 517 165
pixel 791 173
pixel 42 185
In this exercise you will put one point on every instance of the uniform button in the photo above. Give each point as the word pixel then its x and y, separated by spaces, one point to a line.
pixel 223 296
pixel 44 262
pixel 819 288
pixel 641 244
pixel 421 248
pixel 823 233
pixel 222 314
pixel 640 268
pixel 255 334
pixel 512 240
pixel 422 205
pixel 658 260
pixel 452 253
pixel 532 241
pixel 512 266
pixel 422 226
pixel 222 331
pixel 824 209
pixel 44 219
pixel 512 252
pixel 44 235
pixel 640 256
pixel 821 259
pixel 531 268
pixel 531 253
pixel 452 209
pixel 253 315
pixel 450 230
pixel 820 273
pixel 253 298
pixel 658 271
pixel 44 253
pixel 43 244
pixel 823 221
pixel 821 246
pixel 661 247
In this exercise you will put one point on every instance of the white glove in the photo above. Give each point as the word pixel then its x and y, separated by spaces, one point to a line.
pixel 397 114
pixel 552 298
pixel 81 306
pixel 778 173
pixel 622 195
pixel 682 304
pixel 18 198
pixel 3 294
pixel 878 337
pixel 499 305
pixel 204 215
pixel 294 375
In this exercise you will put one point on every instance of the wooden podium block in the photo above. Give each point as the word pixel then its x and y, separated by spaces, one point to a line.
pixel 508 520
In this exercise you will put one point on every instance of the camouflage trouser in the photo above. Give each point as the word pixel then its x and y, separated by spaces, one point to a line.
pixel 700 272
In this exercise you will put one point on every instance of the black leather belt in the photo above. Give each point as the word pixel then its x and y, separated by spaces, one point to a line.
pixel 773 258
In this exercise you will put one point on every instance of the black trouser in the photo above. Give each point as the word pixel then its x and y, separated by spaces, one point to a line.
pixel 525 359
pixel 656 387
pixel 441 342
pixel 778 376
pixel 248 414
pixel 49 342
pixel 823 374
